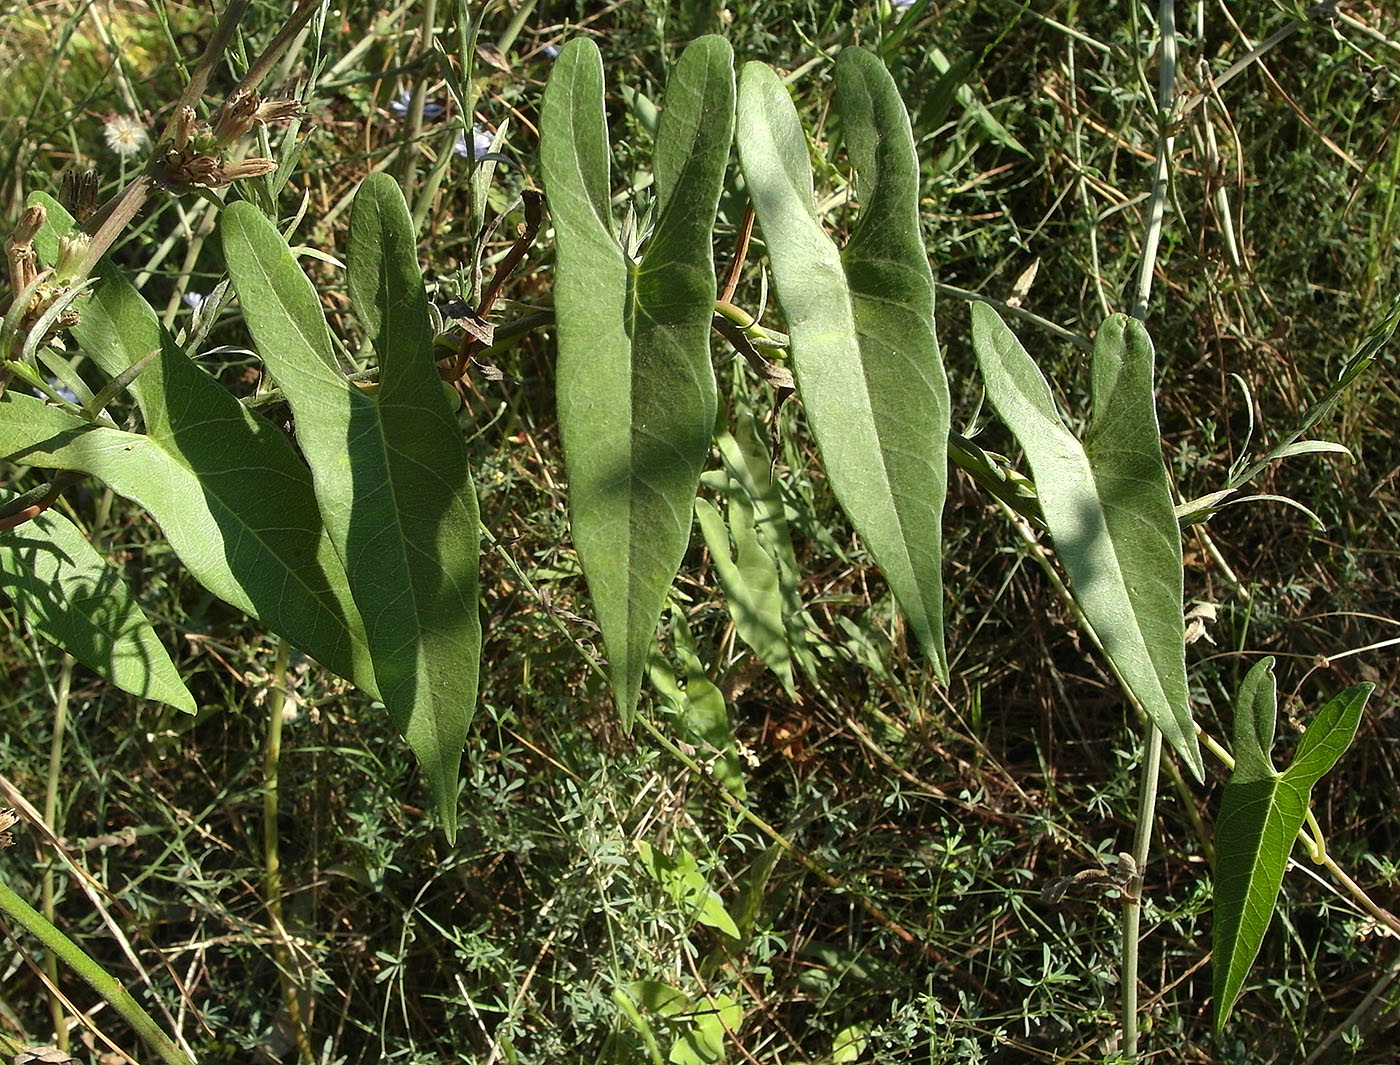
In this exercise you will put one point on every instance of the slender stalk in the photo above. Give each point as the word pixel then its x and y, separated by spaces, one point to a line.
pixel 96 977
pixel 272 862
pixel 1053 328
pixel 516 24
pixel 51 791
pixel 1166 15
pixel 1132 892
pixel 420 92
pixel 1152 761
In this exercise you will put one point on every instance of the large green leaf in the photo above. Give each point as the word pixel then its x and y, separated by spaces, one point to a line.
pixel 390 471
pixel 636 390
pixel 681 878
pixel 861 323
pixel 229 492
pixel 1261 812
pixel 1108 506
pixel 698 1025
pixel 73 598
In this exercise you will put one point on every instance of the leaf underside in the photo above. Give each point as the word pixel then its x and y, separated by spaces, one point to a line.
pixel 636 389
pixel 1107 503
pixel 866 357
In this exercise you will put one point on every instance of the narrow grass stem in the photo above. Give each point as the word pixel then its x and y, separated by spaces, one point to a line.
pixel 1132 893
pixel 1053 328
pixel 96 977
pixel 272 863
pixel 516 24
pixel 46 884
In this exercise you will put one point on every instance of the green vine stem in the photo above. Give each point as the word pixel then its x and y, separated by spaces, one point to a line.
pixel 1132 891
pixel 46 893
pixel 96 977
pixel 272 861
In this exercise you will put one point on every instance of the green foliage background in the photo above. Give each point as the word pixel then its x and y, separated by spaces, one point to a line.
pixel 947 809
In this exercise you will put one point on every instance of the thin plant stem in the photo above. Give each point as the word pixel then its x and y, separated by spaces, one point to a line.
pixel 513 28
pixel 101 981
pixel 205 226
pixel 1166 88
pixel 1081 182
pixel 1132 892
pixel 46 886
pixel 419 94
pixel 1053 328
pixel 272 862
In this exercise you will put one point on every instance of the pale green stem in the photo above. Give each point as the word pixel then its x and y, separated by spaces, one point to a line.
pixel 96 977
pixel 1166 15
pixel 1053 328
pixel 517 23
pixel 202 228
pixel 1132 892
pixel 420 90
pixel 1152 761
pixel 272 862
pixel 51 792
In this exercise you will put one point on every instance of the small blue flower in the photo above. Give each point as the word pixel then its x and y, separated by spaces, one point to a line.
pixel 400 104
pixel 481 143
pixel 193 300
pixel 58 386
pixel 552 50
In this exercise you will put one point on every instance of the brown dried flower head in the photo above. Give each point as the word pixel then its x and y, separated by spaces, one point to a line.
pixel 197 152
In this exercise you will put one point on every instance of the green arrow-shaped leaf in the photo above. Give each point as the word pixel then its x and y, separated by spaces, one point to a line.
pixel 636 390
pixel 861 322
pixel 679 875
pixel 1261 812
pixel 1108 506
pixel 390 471
pixel 229 492
pixel 74 599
